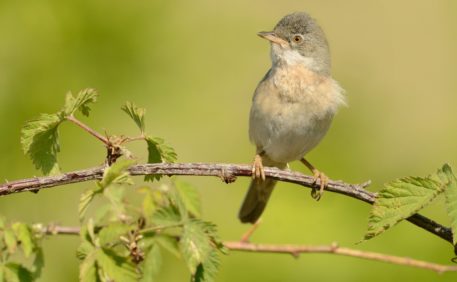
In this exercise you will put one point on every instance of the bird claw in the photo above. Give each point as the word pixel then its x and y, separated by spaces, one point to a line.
pixel 323 182
pixel 257 168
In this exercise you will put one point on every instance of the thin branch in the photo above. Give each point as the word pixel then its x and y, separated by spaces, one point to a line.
pixel 89 130
pixel 228 173
pixel 296 250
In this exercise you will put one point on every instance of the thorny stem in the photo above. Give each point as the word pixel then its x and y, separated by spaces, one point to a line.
pixel 89 130
pixel 296 250
pixel 226 172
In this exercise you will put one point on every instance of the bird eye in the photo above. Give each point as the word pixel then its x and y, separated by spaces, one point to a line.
pixel 297 38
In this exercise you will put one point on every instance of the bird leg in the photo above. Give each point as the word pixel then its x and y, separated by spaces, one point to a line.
pixel 257 168
pixel 323 179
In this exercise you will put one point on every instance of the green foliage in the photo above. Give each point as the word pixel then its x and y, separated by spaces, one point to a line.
pixel 39 138
pixel 136 113
pixel 151 264
pixel 406 196
pixel 447 176
pixel 80 102
pixel 158 152
pixel 189 196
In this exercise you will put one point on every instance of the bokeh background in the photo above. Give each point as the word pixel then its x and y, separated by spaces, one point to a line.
pixel 194 66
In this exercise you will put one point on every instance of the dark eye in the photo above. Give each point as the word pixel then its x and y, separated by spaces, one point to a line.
pixel 297 38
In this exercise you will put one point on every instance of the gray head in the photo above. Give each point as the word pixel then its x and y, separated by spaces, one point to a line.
pixel 298 39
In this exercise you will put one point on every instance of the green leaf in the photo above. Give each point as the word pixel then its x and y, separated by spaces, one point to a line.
pixel 399 200
pixel 166 216
pixel 158 152
pixel 81 102
pixel 115 267
pixel 17 272
pixel 112 233
pixel 84 249
pixel 84 202
pixel 24 235
pixel 151 264
pixel 38 263
pixel 149 205
pixel 88 269
pixel 206 272
pixel 195 245
pixel 117 174
pixel 190 197
pixel 39 139
pixel 168 243
pixel 447 176
pixel 136 113
pixel 116 197
pixel 10 240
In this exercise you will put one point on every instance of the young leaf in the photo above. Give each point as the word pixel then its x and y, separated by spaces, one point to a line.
pixel 88 269
pixel 166 216
pixel 190 197
pixel 117 268
pixel 113 232
pixel 10 240
pixel 195 245
pixel 168 243
pixel 39 139
pixel 158 152
pixel 151 264
pixel 447 176
pixel 149 205
pixel 84 202
pixel 399 200
pixel 136 113
pixel 81 102
pixel 206 272
pixel 38 263
pixel 117 174
pixel 17 272
pixel 24 235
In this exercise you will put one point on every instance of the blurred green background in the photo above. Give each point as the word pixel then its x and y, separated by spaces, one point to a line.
pixel 194 66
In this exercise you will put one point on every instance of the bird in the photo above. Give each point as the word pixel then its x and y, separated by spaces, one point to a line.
pixel 292 107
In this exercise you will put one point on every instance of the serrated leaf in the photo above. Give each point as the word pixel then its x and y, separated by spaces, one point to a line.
pixel 81 102
pixel 17 272
pixel 117 174
pixel 38 263
pixel 148 205
pixel 158 152
pixel 112 233
pixel 447 176
pixel 399 200
pixel 206 272
pixel 166 216
pixel 88 269
pixel 24 235
pixel 151 264
pixel 84 201
pixel 195 245
pixel 10 240
pixel 136 113
pixel 39 139
pixel 84 249
pixel 115 267
pixel 168 243
pixel 190 197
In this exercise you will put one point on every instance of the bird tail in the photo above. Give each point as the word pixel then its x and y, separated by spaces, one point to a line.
pixel 257 196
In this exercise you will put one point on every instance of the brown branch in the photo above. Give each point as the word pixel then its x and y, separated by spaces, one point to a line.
pixel 89 130
pixel 296 250
pixel 228 173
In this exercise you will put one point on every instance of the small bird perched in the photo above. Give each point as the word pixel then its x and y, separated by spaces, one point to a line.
pixel 292 107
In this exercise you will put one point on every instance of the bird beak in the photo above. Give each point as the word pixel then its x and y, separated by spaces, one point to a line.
pixel 272 37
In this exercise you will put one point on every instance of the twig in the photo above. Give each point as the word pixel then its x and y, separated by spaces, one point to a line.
pixel 296 250
pixel 89 130
pixel 228 172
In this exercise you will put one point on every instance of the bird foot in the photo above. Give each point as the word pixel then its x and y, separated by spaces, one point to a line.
pixel 323 182
pixel 257 168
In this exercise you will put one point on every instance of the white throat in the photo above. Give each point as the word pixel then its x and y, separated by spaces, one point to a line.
pixel 280 55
